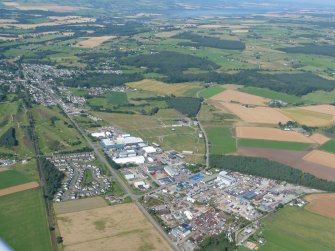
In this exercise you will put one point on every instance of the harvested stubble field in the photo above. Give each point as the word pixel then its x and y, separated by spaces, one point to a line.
pixel 327 109
pixel 290 158
pixel 271 134
pixel 43 7
pixel 187 89
pixel 323 204
pixel 54 22
pixel 109 228
pixel 309 118
pixel 260 115
pixel 79 205
pixel 240 97
pixel 18 188
pixel 322 158
pixel 319 138
pixel 92 42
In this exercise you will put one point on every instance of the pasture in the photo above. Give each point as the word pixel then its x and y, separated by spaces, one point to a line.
pixel 55 132
pixel 112 98
pixel 296 146
pixel 323 204
pixel 320 97
pixel 210 91
pixel 109 228
pixel 295 228
pixel 24 221
pixel 260 115
pixel 11 178
pixel 183 89
pixel 270 94
pixel 221 140
pixel 266 133
pixel 329 146
pixel 309 118
pixel 79 205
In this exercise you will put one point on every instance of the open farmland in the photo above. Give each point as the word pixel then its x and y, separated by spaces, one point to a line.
pixel 55 132
pixel 79 205
pixel 323 204
pixel 23 221
pixel 240 97
pixel 12 178
pixel 295 228
pixel 43 7
pixel 298 146
pixel 290 158
pixel 322 158
pixel 270 94
pixel 329 146
pixel 92 42
pixel 18 188
pixel 309 118
pixel 211 91
pixel 319 138
pixel 327 109
pixel 109 228
pixel 261 115
pixel 266 133
pixel 185 89
pixel 221 140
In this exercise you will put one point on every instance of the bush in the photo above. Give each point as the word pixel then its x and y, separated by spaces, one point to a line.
pixel 8 138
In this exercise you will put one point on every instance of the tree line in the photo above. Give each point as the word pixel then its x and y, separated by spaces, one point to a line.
pixel 270 169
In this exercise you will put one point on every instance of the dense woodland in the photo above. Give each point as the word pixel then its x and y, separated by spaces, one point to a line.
pixel 53 177
pixel 8 139
pixel 186 105
pixel 325 50
pixel 205 41
pixel 269 169
pixel 216 243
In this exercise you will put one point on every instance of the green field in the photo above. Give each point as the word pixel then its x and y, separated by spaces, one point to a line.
pixel 55 131
pixel 294 146
pixel 221 140
pixel 320 97
pixel 11 178
pixel 24 221
pixel 293 229
pixel 211 91
pixel 112 98
pixel 329 146
pixel 267 93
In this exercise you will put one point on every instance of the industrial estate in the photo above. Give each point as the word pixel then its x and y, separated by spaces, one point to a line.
pixel 167 126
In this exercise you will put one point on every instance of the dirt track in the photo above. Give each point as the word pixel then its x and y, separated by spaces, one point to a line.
pixel 18 188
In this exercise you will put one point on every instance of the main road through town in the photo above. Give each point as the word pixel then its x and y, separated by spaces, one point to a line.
pixel 124 186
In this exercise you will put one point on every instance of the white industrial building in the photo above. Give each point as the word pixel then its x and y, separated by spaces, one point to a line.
pixel 149 149
pixel 224 180
pixel 170 171
pixel 130 160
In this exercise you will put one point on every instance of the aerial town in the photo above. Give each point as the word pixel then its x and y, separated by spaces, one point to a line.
pixel 167 125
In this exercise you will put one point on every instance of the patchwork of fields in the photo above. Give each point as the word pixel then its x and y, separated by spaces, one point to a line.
pixel 109 228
